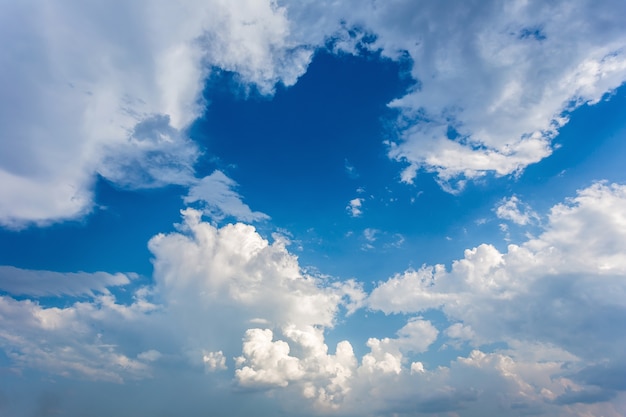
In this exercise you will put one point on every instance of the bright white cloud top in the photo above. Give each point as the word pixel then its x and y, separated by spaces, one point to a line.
pixel 111 94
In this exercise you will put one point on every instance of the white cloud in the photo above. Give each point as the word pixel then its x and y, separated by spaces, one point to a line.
pixel 350 169
pixel 234 273
pixel 550 288
pixel 509 209
pixel 370 234
pixel 214 361
pixel 459 331
pixel 218 199
pixel 354 207
pixel 234 264
pixel 266 362
pixel 317 375
pixel 64 341
pixel 387 354
pixel 289 355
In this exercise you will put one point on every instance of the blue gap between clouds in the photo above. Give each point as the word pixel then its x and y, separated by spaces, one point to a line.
pixel 288 153
pixel 590 147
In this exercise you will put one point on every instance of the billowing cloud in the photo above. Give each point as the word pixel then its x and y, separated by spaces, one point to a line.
pixel 552 288
pixel 214 361
pixel 234 264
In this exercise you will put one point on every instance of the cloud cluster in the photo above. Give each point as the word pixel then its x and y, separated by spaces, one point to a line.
pixel 564 288
pixel 112 91
pixel 227 301
pixel 74 341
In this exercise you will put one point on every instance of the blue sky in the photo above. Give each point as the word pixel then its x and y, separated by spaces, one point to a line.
pixel 313 208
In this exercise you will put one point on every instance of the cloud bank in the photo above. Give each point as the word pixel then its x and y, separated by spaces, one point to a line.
pixel 552 305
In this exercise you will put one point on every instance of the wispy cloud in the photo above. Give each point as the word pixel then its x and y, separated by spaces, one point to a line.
pixel 19 281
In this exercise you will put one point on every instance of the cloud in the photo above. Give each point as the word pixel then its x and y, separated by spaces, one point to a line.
pixel 150 355
pixel 490 95
pixel 494 83
pixel 112 91
pixel 460 332
pixel 350 170
pixel 19 281
pixel 370 234
pixel 552 305
pixel 63 341
pixel 491 98
pixel 155 154
pixel 509 209
pixel 584 396
pixel 354 207
pixel 552 288
pixel 214 361
pixel 218 199
pixel 235 264
pixel 387 354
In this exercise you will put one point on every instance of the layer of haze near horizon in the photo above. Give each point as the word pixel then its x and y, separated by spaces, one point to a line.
pixel 313 208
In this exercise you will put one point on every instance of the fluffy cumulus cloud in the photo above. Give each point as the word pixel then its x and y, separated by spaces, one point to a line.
pixel 555 298
pixel 111 91
pixel 259 290
pixel 228 301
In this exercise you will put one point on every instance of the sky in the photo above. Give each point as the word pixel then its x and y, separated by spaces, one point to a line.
pixel 313 208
